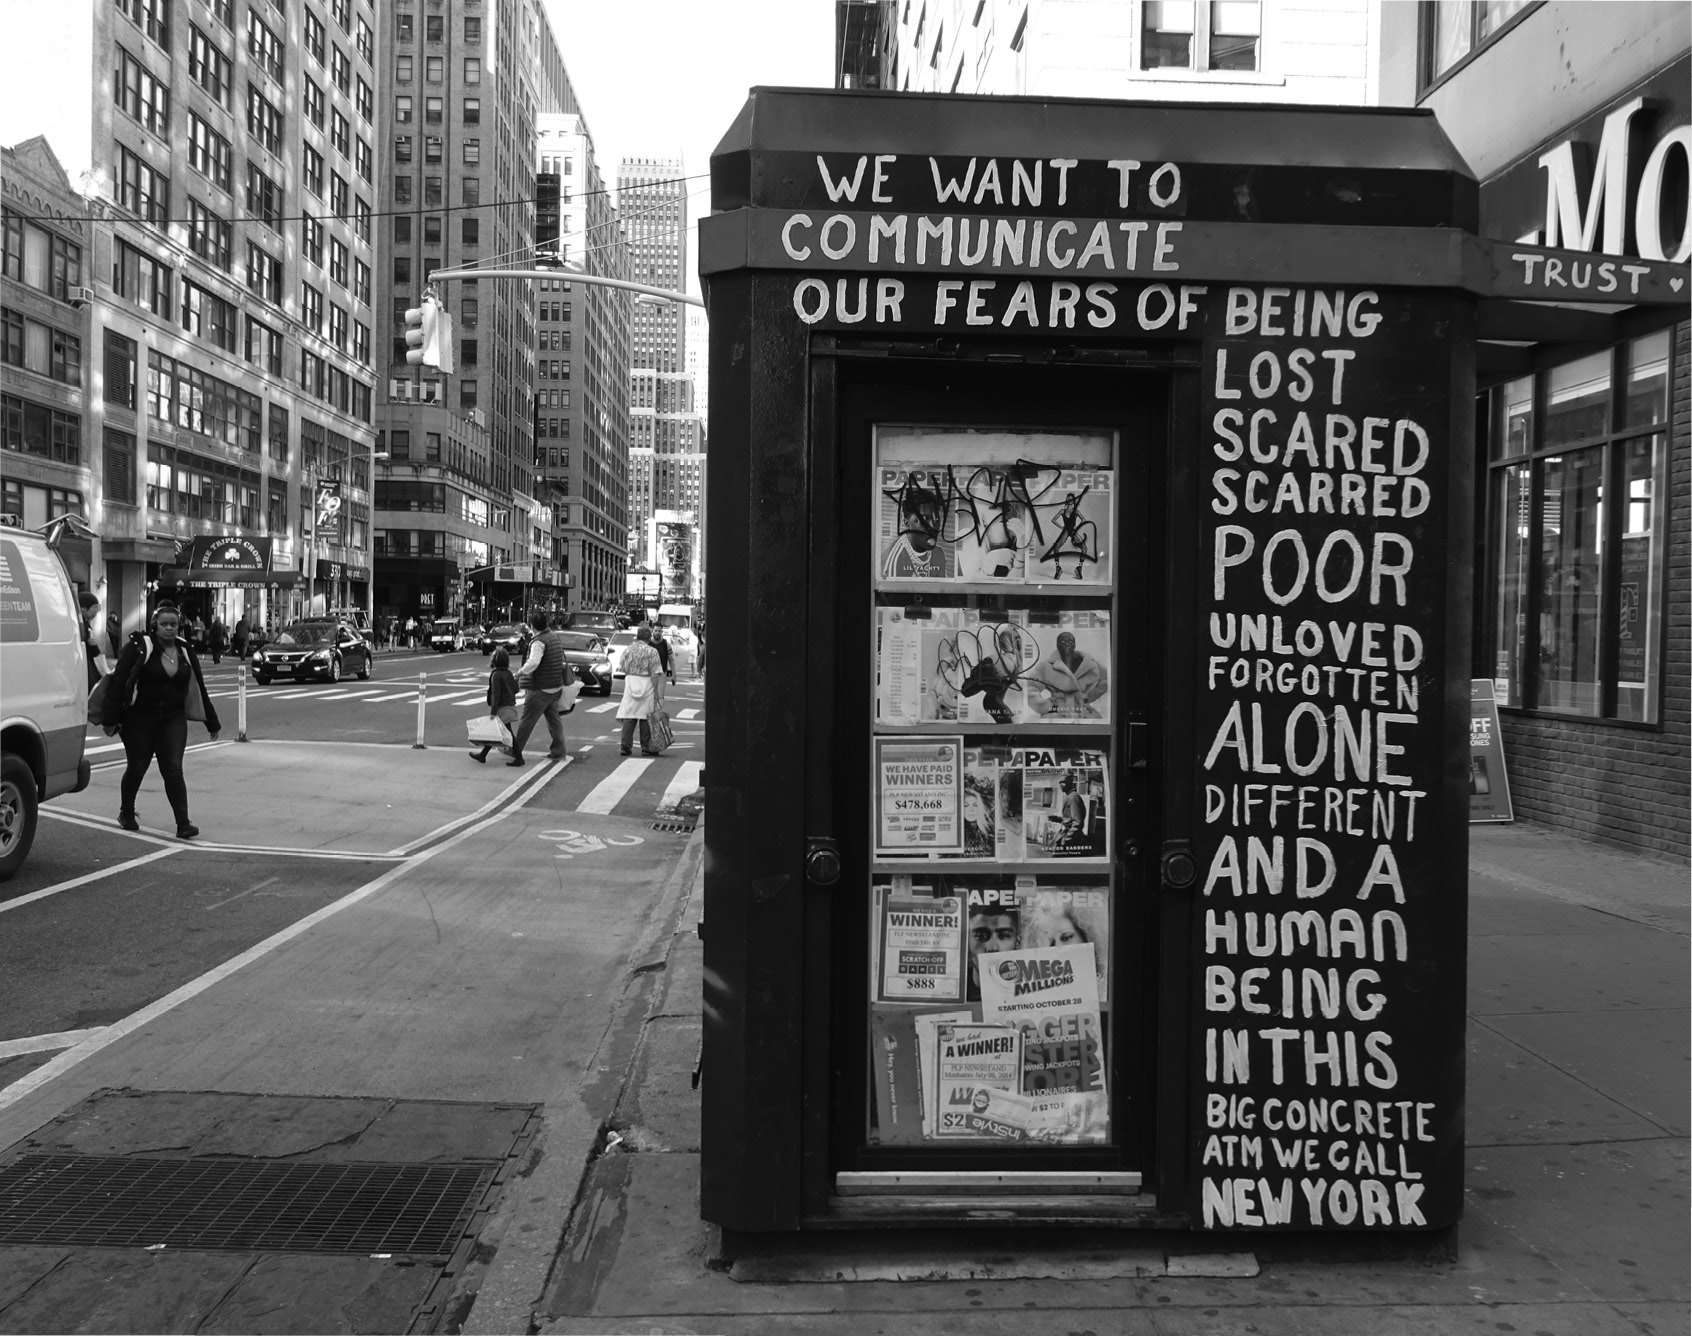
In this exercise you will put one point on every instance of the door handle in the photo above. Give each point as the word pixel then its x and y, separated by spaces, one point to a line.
pixel 1179 868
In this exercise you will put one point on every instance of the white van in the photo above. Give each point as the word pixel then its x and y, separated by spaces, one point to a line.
pixel 43 690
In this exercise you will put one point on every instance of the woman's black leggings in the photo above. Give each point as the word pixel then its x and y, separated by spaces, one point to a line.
pixel 146 736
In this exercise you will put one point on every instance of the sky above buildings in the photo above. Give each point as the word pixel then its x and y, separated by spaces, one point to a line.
pixel 657 78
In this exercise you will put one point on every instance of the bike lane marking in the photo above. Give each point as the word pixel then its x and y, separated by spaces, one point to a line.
pixel 83 880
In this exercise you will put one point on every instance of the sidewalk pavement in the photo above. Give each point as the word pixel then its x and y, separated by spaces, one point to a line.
pixel 1576 1222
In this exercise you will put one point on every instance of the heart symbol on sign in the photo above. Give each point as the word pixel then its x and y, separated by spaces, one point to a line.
pixel 1677 283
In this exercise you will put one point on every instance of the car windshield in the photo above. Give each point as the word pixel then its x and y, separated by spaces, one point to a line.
pixel 675 621
pixel 624 638
pixel 445 628
pixel 580 640
pixel 509 629
pixel 305 633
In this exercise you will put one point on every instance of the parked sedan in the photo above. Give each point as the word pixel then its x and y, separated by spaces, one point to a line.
pixel 587 654
pixel 325 649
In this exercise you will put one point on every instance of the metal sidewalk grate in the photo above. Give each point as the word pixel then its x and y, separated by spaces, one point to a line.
pixel 676 825
pixel 129 1201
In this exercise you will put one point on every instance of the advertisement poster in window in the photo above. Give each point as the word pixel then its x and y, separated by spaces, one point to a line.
pixel 919 796
pixel 1489 786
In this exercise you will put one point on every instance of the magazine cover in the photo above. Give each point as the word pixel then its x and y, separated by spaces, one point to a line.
pixel 1051 995
pixel 953 665
pixel 1065 802
pixel 971 1060
pixel 1009 523
pixel 927 1025
pixel 921 947
pixel 919 796
pixel 896 1076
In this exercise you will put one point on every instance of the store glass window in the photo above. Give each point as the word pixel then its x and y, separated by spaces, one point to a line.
pixel 1576 533
pixel 1455 28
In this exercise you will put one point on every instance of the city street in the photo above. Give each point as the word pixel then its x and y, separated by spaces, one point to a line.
pixel 360 921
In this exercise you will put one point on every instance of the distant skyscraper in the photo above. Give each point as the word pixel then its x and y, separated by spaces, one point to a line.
pixel 667 432
pixel 582 385
pixel 462 83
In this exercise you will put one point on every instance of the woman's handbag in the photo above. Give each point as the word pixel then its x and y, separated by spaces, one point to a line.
pixel 97 700
pixel 489 729
pixel 662 734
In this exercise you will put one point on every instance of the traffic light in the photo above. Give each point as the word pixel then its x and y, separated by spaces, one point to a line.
pixel 428 336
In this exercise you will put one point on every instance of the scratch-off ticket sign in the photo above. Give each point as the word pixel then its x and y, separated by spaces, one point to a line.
pixel 1489 786
pixel 919 791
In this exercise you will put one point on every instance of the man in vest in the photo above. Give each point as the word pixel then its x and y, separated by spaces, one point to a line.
pixel 542 677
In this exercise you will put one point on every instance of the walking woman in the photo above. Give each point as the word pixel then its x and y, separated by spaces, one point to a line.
pixel 160 690
pixel 643 690
pixel 502 698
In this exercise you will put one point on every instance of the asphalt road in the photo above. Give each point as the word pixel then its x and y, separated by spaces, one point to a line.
pixel 326 796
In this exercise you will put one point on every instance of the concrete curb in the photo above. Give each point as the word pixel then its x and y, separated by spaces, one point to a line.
pixel 530 1224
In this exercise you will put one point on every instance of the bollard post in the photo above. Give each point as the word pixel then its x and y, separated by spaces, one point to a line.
pixel 422 699
pixel 241 702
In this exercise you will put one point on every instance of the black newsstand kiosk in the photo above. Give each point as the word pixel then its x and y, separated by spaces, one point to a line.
pixel 1090 581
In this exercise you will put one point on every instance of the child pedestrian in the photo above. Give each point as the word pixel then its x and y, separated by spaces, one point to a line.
pixel 502 698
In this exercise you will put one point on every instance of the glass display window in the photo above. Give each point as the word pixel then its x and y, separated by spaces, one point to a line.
pixel 992 895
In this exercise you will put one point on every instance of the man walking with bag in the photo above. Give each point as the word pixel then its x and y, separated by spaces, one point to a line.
pixel 542 678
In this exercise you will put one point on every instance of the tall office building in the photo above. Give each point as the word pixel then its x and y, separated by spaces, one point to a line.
pixel 201 223
pixel 462 83
pixel 582 374
pixel 667 437
pixel 1159 50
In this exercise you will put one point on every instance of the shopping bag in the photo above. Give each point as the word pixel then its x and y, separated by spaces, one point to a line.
pixel 662 734
pixel 97 700
pixel 488 729
pixel 567 697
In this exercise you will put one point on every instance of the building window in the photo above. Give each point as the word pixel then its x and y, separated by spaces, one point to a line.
pixel 472 111
pixel 432 229
pixel 469 313
pixel 263 45
pixel 264 198
pixel 402 110
pixel 366 42
pixel 311 171
pixel 402 270
pixel 40 258
pixel 402 190
pixel 314 36
pixel 1195 35
pixel 361 342
pixel 432 108
pixel 363 160
pixel 472 69
pixel 365 101
pixel 467 352
pixel 466 394
pixel 470 231
pixel 264 121
pixel 340 134
pixel 264 273
pixel 263 346
pixel 472 152
pixel 141 95
pixel 431 190
pixel 405 28
pixel 207 316
pixel 1576 584
pixel 402 69
pixel 120 379
pixel 279 434
pixel 35 429
pixel 42 349
pixel 434 28
pixel 142 189
pixel 118 477
pixel 340 69
pixel 151 16
pixel 338 260
pixel 210 68
pixel 361 281
pixel 313 102
pixel 338 326
pixel 208 152
pixel 311 239
pixel 340 195
pixel 472 188
pixel 209 236
pixel 434 68
pixel 361 217
pixel 432 148
pixel 1452 30
pixel 140 278
pixel 311 308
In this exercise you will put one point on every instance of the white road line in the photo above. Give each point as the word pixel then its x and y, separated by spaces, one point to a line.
pixel 287 695
pixel 530 778
pixel 71 885
pixel 601 709
pixel 110 746
pixel 404 695
pixel 610 790
pixel 45 1043
pixel 341 695
pixel 688 714
pixel 100 1039
pixel 685 782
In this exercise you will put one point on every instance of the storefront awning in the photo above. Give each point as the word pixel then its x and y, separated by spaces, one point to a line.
pixel 228 579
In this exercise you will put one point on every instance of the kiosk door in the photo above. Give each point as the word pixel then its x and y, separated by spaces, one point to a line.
pixel 994 981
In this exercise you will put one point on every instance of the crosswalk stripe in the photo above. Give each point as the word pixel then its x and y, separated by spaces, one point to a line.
pixel 383 700
pixel 339 695
pixel 610 790
pixel 601 709
pixel 289 695
pixel 685 782
pixel 688 714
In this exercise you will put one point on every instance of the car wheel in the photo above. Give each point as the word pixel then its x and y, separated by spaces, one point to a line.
pixel 18 804
pixel 335 668
pixel 263 679
pixel 368 668
pixel 605 689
